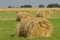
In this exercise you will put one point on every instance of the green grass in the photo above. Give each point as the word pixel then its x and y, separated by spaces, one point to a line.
pixel 33 14
pixel 55 15
pixel 7 27
pixel 7 15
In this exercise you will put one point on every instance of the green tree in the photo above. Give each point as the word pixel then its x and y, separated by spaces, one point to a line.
pixel 26 6
pixel 53 5
pixel 41 6
pixel 9 6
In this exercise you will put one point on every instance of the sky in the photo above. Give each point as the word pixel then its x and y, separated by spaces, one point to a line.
pixel 18 3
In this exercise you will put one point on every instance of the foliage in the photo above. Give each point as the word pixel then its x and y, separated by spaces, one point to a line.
pixel 40 6
pixel 53 5
pixel 26 6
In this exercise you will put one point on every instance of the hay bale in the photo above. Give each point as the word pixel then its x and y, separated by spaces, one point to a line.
pixel 22 15
pixel 53 10
pixel 34 27
pixel 43 14
pixel 46 13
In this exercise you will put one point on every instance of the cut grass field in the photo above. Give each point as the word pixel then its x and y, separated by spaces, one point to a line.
pixel 55 15
pixel 8 25
pixel 7 15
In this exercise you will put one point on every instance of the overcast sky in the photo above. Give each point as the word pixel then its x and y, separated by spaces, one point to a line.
pixel 17 3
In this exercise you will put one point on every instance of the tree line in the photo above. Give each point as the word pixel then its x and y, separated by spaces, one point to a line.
pixel 40 6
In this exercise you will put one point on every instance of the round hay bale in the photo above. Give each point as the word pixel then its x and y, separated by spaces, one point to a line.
pixel 43 14
pixel 53 10
pixel 22 15
pixel 34 27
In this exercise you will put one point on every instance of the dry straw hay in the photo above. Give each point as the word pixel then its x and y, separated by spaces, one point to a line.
pixel 46 13
pixel 22 15
pixel 54 10
pixel 34 27
pixel 43 13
